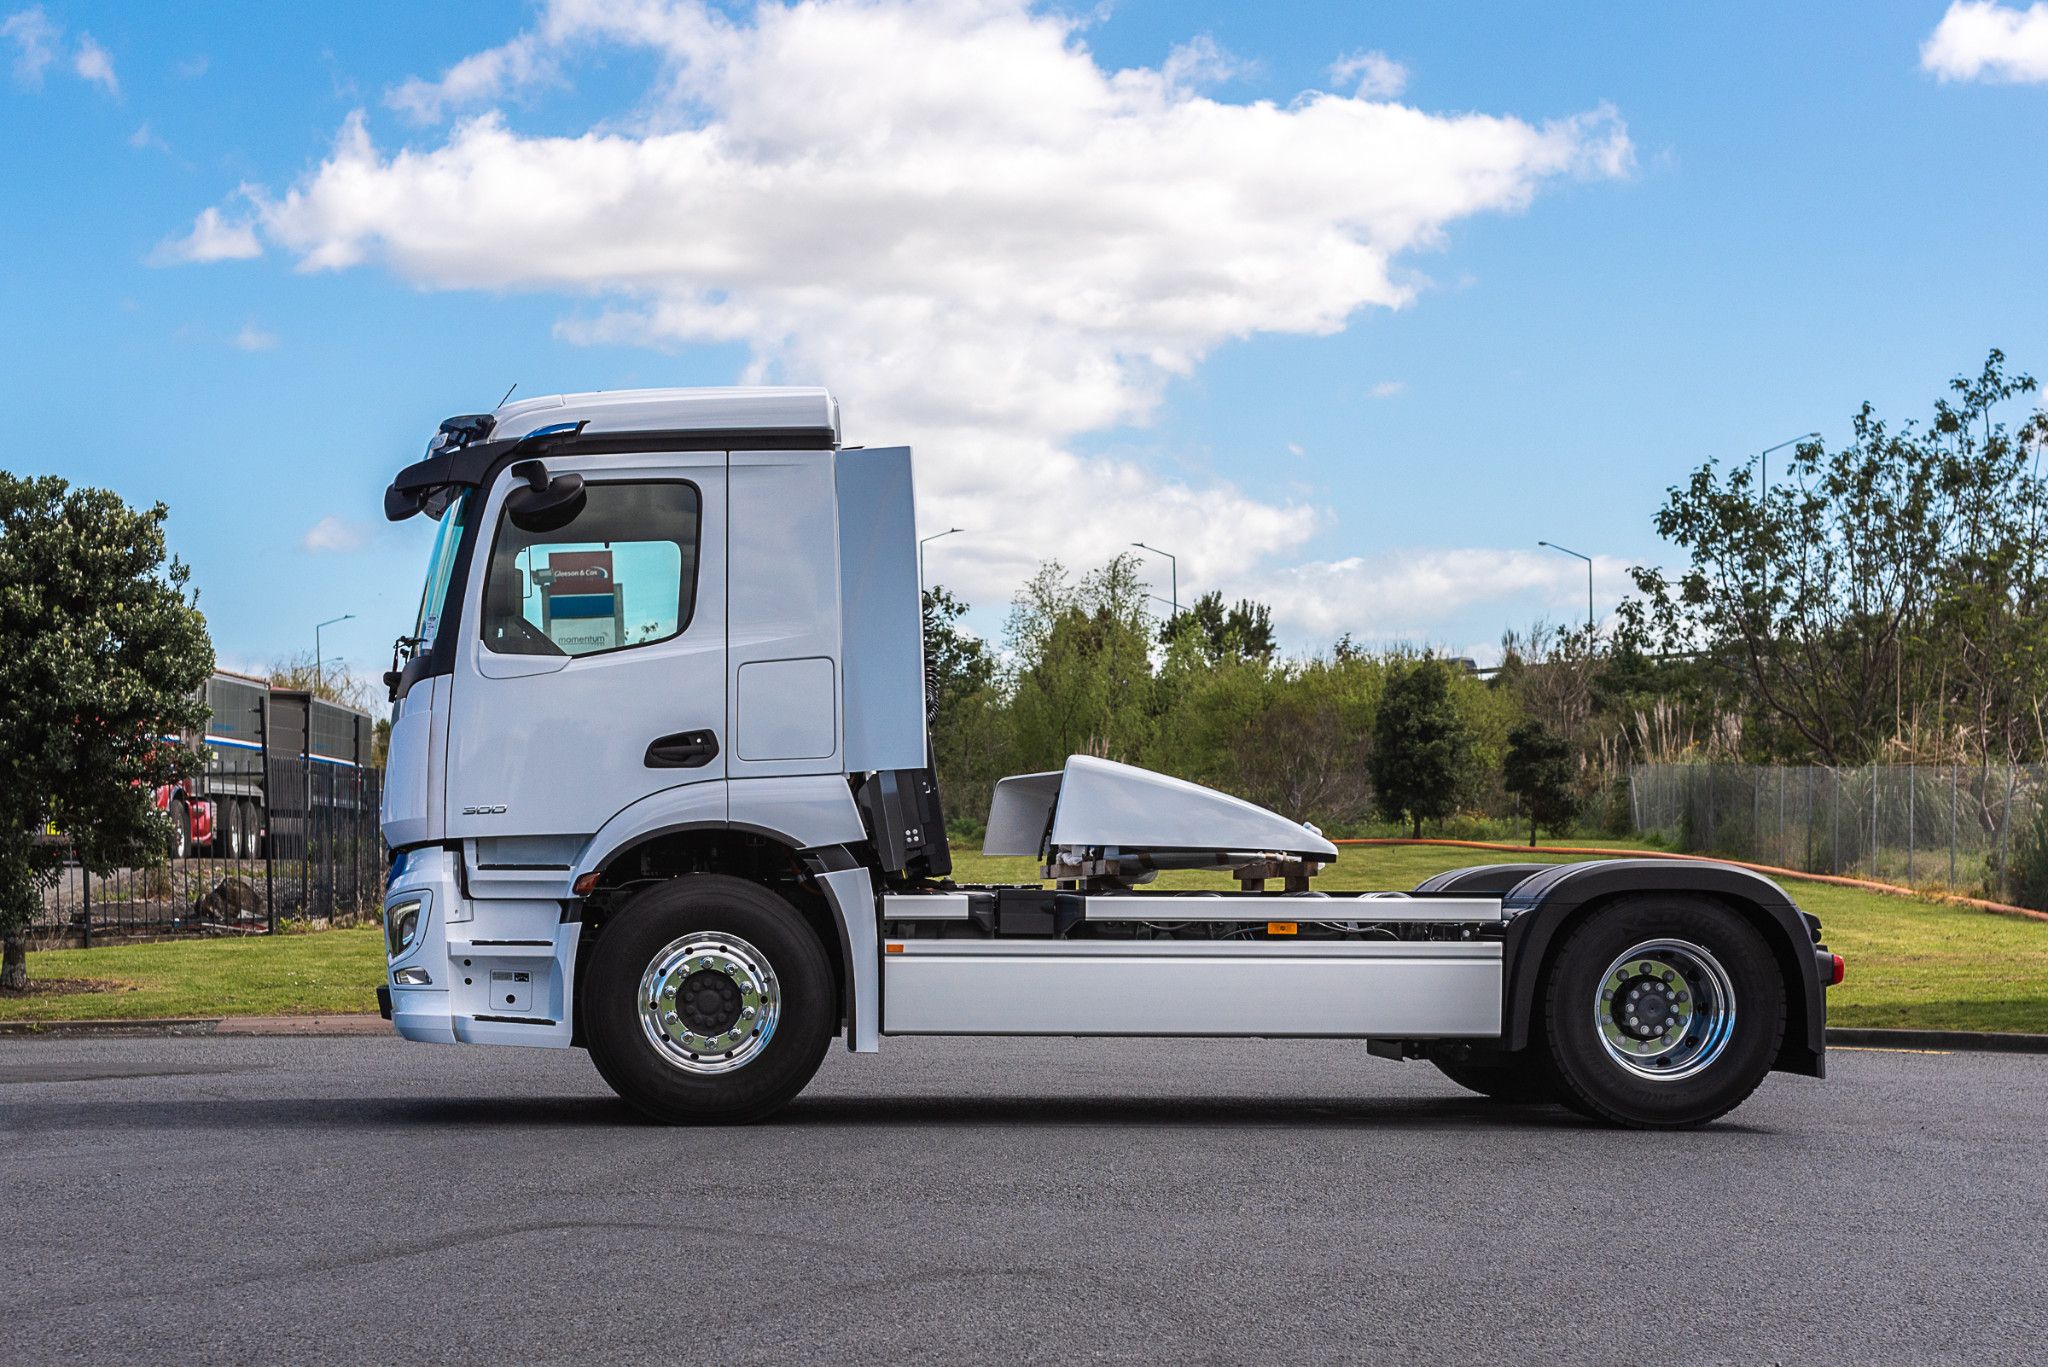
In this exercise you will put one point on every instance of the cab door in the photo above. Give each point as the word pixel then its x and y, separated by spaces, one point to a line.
pixel 592 671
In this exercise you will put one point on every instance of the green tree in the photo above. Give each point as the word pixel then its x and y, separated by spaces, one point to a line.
pixel 1243 631
pixel 1542 774
pixel 1421 745
pixel 102 653
pixel 970 731
pixel 330 680
pixel 1891 588
pixel 1083 681
pixel 957 663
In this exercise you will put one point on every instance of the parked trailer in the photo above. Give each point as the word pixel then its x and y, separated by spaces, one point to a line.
pixel 658 787
pixel 235 808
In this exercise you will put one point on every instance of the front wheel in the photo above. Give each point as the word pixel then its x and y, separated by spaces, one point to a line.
pixel 1663 1012
pixel 708 1000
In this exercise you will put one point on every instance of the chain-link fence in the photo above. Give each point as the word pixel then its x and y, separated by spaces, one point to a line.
pixel 1952 825
pixel 301 843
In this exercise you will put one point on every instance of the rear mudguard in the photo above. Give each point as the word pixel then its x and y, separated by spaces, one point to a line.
pixel 1540 902
pixel 1491 880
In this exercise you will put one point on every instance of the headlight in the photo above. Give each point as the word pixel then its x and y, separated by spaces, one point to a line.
pixel 402 925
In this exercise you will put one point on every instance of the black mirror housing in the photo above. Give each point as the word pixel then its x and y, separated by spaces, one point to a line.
pixel 544 505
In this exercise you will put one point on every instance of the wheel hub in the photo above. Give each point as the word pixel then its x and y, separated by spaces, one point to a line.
pixel 1665 1009
pixel 709 1003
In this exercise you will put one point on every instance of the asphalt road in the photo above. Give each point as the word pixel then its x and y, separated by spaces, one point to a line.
pixel 353 1200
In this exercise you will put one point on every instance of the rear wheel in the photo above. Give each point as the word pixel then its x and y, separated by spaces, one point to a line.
pixel 708 1000
pixel 1524 1079
pixel 1663 1012
pixel 252 814
pixel 231 831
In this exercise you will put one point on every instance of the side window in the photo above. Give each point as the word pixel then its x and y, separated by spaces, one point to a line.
pixel 623 573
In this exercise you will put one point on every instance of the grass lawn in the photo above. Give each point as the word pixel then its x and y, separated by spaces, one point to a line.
pixel 314 974
pixel 1912 963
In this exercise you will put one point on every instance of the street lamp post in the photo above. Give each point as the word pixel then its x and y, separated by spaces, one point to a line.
pixel 1763 485
pixel 1173 569
pixel 920 556
pixel 319 677
pixel 1589 577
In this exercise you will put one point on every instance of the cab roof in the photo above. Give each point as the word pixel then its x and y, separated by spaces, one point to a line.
pixel 754 408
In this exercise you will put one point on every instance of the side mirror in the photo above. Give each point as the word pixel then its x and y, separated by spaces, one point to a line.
pixel 400 504
pixel 544 505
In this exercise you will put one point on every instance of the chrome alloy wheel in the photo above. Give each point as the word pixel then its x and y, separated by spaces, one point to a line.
pixel 709 1003
pixel 1665 1009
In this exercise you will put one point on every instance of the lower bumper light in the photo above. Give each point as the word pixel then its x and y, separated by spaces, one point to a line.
pixel 412 977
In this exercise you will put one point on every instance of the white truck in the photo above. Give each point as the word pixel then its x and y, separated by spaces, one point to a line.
pixel 658 787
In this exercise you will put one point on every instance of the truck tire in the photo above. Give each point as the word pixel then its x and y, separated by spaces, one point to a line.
pixel 252 813
pixel 230 832
pixel 1522 1079
pixel 708 1001
pixel 1663 1012
pixel 180 846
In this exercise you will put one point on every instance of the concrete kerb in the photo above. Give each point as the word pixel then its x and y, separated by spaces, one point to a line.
pixel 206 1025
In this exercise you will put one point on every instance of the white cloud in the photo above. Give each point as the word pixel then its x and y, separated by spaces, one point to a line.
pixel 531 59
pixel 1401 595
pixel 998 249
pixel 1199 62
pixel 213 238
pixel 1371 75
pixel 253 338
pixel 92 63
pixel 1979 40
pixel 1387 389
pixel 192 68
pixel 335 534
pixel 35 43
pixel 143 139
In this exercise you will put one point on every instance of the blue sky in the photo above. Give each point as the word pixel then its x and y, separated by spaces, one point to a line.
pixel 1703 230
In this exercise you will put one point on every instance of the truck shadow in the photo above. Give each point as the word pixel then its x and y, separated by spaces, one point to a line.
pixel 299 1115
pixel 1451 1113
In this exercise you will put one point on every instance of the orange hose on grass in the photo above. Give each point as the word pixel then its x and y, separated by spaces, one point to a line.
pixel 1836 880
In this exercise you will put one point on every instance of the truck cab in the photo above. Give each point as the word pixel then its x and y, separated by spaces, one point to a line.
pixel 658 787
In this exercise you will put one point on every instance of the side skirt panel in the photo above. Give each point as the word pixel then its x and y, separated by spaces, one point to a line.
pixel 1348 989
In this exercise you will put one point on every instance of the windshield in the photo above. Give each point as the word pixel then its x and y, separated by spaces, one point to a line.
pixel 446 543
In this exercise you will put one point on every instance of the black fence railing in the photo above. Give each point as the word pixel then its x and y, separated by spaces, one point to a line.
pixel 302 845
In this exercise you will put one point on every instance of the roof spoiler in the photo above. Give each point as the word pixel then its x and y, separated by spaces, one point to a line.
pixel 469 464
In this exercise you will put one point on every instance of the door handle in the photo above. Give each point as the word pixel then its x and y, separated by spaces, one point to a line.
pixel 683 750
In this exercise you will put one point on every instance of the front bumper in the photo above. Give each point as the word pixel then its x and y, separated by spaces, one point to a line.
pixel 497 971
